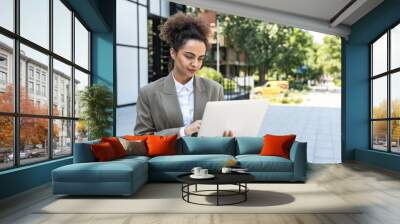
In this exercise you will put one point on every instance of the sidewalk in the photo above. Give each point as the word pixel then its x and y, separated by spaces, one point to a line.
pixel 317 121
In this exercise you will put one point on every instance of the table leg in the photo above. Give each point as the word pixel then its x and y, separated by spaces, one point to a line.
pixel 245 193
pixel 188 189
pixel 217 194
pixel 196 188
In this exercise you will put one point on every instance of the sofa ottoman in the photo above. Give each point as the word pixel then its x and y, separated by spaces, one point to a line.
pixel 118 177
pixel 124 176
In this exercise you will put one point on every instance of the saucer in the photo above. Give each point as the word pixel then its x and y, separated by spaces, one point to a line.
pixel 240 171
pixel 208 176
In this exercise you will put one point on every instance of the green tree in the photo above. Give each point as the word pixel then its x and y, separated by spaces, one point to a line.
pixel 271 48
pixel 294 54
pixel 314 69
pixel 210 73
pixel 329 57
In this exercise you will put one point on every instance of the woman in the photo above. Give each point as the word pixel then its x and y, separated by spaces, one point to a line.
pixel 175 104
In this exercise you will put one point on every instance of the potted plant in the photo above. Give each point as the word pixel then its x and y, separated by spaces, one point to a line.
pixel 96 102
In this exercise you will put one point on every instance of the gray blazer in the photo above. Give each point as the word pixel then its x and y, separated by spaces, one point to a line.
pixel 158 110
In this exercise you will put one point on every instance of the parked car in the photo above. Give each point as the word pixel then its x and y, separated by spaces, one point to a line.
pixel 22 155
pixel 272 88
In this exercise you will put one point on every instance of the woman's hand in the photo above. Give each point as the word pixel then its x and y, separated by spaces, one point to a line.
pixel 193 128
pixel 228 134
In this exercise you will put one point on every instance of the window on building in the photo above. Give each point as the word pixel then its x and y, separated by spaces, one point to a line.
pixel 55 98
pixel 35 53
pixel 6 89
pixel 3 78
pixel 385 94
pixel 30 72
pixel 62 76
pixel 30 87
pixel 3 61
pixel 3 71
pixel 44 91
pixel 38 89
pixel 37 74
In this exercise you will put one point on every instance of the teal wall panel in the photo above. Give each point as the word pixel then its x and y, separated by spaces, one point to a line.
pixel 356 92
pixel 103 61
pixel 102 58
pixel 356 99
pixel 90 12
pixel 377 158
pixel 24 178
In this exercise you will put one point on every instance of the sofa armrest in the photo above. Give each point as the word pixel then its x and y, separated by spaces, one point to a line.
pixel 83 152
pixel 298 155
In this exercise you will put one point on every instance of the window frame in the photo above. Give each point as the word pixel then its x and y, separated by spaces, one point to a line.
pixel 16 115
pixel 138 46
pixel 388 74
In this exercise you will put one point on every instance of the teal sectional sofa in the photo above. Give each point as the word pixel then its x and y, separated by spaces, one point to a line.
pixel 125 176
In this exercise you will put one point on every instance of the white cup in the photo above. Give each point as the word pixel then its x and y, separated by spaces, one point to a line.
pixel 196 170
pixel 203 172
pixel 226 170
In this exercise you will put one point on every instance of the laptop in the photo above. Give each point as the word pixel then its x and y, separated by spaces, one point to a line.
pixel 243 117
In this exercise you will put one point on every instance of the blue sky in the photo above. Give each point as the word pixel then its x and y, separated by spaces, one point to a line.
pixel 318 37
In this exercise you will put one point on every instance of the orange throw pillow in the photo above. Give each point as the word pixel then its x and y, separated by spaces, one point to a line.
pixel 103 152
pixel 116 145
pixel 277 145
pixel 136 137
pixel 161 145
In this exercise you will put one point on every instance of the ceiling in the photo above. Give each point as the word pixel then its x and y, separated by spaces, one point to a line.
pixel 325 16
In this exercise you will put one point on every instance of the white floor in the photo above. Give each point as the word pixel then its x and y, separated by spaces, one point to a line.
pixel 317 121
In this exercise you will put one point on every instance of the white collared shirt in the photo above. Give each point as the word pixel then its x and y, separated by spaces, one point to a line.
pixel 185 95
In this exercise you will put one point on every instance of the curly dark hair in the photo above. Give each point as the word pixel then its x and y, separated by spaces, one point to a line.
pixel 180 28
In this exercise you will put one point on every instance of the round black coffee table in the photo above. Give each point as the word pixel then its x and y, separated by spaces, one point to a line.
pixel 238 179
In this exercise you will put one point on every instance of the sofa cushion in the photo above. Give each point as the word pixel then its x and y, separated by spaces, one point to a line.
pixel 111 171
pixel 185 163
pixel 257 163
pixel 249 145
pixel 206 145
pixel 132 158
